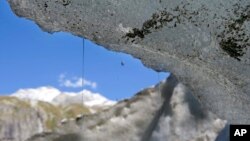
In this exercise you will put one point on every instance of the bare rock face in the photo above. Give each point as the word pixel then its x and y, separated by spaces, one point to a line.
pixel 166 112
pixel 204 43
pixel 18 121
pixel 21 119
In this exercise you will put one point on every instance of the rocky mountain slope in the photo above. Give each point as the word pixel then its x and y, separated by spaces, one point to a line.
pixel 166 112
pixel 32 111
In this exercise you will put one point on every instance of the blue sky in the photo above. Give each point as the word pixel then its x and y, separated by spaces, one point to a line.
pixel 31 58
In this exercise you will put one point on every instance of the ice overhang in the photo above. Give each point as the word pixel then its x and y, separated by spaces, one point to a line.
pixel 204 43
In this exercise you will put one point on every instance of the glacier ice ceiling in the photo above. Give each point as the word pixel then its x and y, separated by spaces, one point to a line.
pixel 204 44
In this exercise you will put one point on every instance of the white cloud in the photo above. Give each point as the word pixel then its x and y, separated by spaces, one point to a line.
pixel 75 82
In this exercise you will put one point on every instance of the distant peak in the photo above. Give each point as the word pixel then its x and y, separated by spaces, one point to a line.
pixel 55 96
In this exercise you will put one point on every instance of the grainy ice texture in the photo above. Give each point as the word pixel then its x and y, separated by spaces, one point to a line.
pixel 166 112
pixel 205 43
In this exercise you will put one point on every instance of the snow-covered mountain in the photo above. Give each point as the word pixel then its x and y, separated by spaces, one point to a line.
pixel 87 97
pixel 46 94
pixel 166 112
pixel 55 96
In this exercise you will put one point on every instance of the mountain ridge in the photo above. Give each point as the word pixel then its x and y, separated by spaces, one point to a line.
pixel 165 112
pixel 57 97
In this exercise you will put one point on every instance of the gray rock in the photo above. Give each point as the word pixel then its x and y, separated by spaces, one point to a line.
pixel 204 43
pixel 167 112
pixel 20 119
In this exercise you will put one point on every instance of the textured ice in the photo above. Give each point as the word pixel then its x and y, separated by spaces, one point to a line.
pixel 204 43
